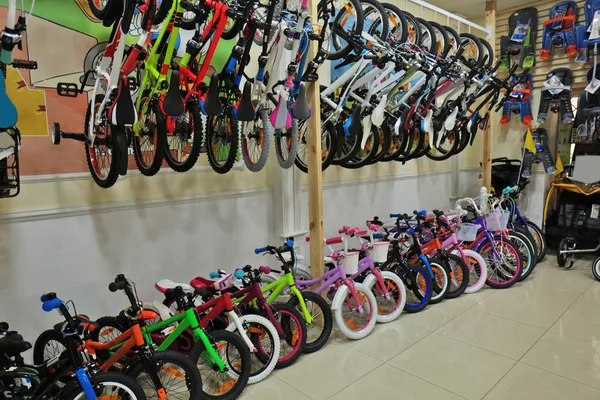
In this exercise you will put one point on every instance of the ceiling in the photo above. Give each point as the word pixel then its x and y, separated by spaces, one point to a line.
pixel 472 8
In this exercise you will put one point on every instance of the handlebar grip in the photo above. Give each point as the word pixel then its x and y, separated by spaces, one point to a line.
pixel 341 231
pixel 422 213
pixel 214 275
pixel 361 233
pixel 394 215
pixel 239 274
pixel 334 240
pixel 411 231
pixel 265 270
pixel 114 286
pixel 261 250
pixel 52 304
pixel 290 243
pixel 48 296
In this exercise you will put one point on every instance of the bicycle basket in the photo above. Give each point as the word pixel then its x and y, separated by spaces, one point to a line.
pixel 497 220
pixel 350 262
pixel 379 252
pixel 467 232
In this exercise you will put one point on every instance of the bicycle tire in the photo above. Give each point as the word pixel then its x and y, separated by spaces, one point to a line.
pixel 413 29
pixel 223 164
pixel 97 11
pixel 260 139
pixel 443 42
pixel 539 239
pixel 477 270
pixel 287 316
pixel 440 281
pixel 237 369
pixel 182 133
pixel 345 326
pixel 397 292
pixel 596 268
pixel 149 145
pixel 418 286
pixel 459 277
pixel 474 45
pixel 385 142
pixel 454 39
pixel 364 156
pixel 120 148
pixel 286 145
pixel 337 27
pixel 121 382
pixel 109 177
pixel 428 33
pixel 191 378
pixel 528 253
pixel 40 355
pixel 328 138
pixel 487 49
pixel 397 143
pixel 321 339
pixel 399 25
pixel 374 7
pixel 162 11
pixel 434 153
pixel 493 266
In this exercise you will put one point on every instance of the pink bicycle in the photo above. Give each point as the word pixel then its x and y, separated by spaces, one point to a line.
pixel 353 304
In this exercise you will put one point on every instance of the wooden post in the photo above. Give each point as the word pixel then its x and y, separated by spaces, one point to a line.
pixel 315 173
pixel 486 173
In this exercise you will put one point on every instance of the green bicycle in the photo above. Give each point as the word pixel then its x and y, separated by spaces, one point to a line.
pixel 314 309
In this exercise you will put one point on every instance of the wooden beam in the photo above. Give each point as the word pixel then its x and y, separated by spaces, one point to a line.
pixel 315 173
pixel 486 173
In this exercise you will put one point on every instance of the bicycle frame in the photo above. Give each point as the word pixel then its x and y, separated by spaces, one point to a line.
pixel 253 293
pixel 282 283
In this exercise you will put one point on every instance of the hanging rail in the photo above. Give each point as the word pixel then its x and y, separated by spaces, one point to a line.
pixel 449 16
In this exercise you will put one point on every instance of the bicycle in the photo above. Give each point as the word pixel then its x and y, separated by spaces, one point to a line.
pixel 312 306
pixel 111 110
pixel 353 304
pixel 10 136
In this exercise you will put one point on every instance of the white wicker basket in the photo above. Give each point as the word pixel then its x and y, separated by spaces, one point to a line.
pixel 350 262
pixel 379 252
pixel 467 232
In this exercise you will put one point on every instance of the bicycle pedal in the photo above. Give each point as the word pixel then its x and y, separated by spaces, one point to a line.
pixel 25 64
pixel 67 89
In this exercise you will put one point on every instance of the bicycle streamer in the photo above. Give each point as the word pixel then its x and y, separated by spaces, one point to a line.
pixel 559 30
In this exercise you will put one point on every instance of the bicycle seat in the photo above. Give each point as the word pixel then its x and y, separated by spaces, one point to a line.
pixel 122 112
pixel 300 108
pixel 200 282
pixel 209 102
pixel 205 292
pixel 13 344
pixel 243 109
pixel 172 103
pixel 166 284
pixel 9 114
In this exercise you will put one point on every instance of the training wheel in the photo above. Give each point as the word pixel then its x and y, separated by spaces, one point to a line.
pixel 55 133
pixel 565 244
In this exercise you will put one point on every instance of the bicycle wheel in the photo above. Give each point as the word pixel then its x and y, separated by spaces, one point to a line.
pixel 317 332
pixel 385 142
pixel 564 244
pixel 471 49
pixel 184 143
pixel 477 270
pixel 256 141
pixel 446 147
pixel 350 321
pixel 49 345
pixel 222 140
pixel 440 281
pixel 539 239
pixel 150 142
pixel 101 160
pixel 178 376
pixel 388 309
pixel 413 28
pixel 111 385
pixel 453 40
pixel 328 146
pixel 528 255
pixel 346 19
pixel 376 20
pixel 294 334
pixel 397 22
pixel 99 7
pixel 442 40
pixel 365 154
pixel 263 335
pixel 505 267
pixel 428 38
pixel 232 350
pixel 459 276
pixel 286 145
pixel 398 142
pixel 489 52
pixel 418 287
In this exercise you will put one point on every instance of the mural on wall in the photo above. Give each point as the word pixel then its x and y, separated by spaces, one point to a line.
pixel 66 40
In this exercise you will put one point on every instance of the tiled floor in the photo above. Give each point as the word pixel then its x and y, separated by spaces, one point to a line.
pixel 539 339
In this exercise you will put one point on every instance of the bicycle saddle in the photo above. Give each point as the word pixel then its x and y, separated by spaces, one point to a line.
pixel 8 113
pixel 167 284
pixel 243 109
pixel 172 103
pixel 300 108
pixel 209 102
pixel 122 112
pixel 13 344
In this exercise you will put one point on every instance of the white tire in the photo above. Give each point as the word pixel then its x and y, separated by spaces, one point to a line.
pixel 437 266
pixel 276 345
pixel 596 268
pixel 369 305
pixel 384 314
pixel 476 281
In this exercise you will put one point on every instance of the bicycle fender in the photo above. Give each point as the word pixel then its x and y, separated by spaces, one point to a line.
pixel 366 129
pixel 339 297
pixel 379 112
pixel 451 121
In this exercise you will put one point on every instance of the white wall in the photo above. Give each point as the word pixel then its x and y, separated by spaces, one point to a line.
pixel 78 256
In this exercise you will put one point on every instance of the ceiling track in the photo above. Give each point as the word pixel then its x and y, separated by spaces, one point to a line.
pixel 449 17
